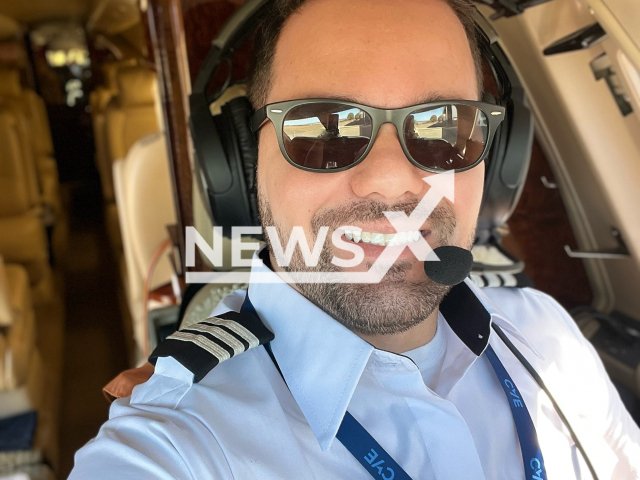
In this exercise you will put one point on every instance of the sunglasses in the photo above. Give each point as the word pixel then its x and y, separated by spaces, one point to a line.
pixel 323 135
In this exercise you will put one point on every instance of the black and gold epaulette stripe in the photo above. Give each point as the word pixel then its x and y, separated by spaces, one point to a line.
pixel 501 279
pixel 202 346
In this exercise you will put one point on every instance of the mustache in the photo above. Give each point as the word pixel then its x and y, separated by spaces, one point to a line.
pixel 373 210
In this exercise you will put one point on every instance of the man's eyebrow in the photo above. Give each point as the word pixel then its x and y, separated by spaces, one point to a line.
pixel 434 97
pixel 426 98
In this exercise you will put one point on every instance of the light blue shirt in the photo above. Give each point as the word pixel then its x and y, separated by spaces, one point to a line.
pixel 430 357
pixel 243 422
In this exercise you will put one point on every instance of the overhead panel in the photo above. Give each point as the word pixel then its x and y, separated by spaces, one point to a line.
pixel 34 11
pixel 112 17
pixel 621 19
pixel 9 28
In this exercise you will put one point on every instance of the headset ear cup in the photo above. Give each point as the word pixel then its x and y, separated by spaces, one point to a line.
pixel 239 111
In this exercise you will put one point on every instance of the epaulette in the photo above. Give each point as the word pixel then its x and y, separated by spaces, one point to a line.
pixel 501 279
pixel 202 346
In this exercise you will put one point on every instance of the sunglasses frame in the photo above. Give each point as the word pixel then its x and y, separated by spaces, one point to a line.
pixel 276 112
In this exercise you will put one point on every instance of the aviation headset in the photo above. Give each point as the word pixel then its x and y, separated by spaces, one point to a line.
pixel 226 149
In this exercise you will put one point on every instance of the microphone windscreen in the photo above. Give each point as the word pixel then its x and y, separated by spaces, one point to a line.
pixel 454 265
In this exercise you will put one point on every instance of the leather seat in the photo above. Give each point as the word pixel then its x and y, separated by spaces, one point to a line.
pixel 19 336
pixel 37 152
pixel 36 136
pixel 129 117
pixel 39 118
pixel 99 99
pixel 43 147
pixel 133 115
pixel 22 234
pixel 27 396
pixel 145 206
pixel 19 190
pixel 28 190
pixel 19 126
pixel 22 377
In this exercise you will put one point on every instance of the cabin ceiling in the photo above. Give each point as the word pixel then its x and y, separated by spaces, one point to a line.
pixel 8 27
pixel 110 17
pixel 34 11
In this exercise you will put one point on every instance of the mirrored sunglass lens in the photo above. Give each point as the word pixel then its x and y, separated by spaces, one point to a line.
pixel 326 136
pixel 446 137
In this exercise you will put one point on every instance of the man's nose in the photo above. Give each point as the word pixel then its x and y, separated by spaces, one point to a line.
pixel 386 173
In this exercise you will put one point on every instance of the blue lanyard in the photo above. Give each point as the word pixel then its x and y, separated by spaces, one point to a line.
pixel 380 465
pixel 529 446
pixel 367 451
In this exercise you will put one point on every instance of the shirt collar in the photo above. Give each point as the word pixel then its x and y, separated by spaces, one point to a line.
pixel 469 314
pixel 322 361
pixel 500 318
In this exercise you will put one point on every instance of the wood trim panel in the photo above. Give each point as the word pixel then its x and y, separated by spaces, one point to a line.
pixel 166 32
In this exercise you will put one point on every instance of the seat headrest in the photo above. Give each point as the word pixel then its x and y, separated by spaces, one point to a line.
pixel 16 194
pixel 110 72
pixel 10 83
pixel 137 86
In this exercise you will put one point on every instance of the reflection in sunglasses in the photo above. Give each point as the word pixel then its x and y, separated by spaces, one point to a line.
pixel 327 136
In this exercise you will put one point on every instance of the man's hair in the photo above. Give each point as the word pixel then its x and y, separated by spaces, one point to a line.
pixel 280 11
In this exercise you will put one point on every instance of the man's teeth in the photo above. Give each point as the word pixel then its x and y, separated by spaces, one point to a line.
pixel 378 239
pixel 384 239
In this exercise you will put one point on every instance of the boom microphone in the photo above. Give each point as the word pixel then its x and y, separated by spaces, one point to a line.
pixel 454 265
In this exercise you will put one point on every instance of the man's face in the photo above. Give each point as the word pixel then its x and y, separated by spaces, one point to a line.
pixel 386 54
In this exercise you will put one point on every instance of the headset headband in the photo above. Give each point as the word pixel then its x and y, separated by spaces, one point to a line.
pixel 248 16
pixel 243 21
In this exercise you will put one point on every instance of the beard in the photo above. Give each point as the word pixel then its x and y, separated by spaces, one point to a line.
pixel 392 306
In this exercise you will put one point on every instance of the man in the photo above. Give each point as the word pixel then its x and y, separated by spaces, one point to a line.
pixel 380 361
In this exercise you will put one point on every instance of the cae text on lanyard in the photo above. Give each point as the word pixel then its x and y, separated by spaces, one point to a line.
pixel 381 465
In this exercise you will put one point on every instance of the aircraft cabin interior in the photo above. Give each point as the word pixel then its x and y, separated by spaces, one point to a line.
pixel 99 179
